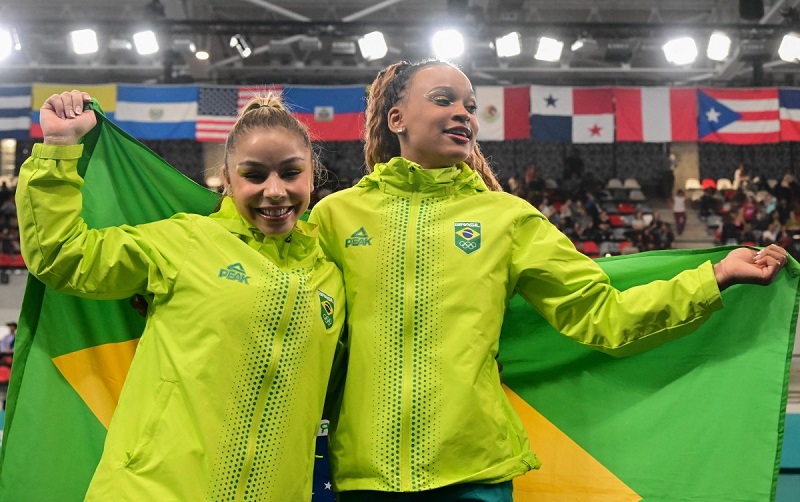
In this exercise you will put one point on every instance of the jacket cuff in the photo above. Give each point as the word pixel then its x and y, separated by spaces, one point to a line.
pixel 708 282
pixel 57 152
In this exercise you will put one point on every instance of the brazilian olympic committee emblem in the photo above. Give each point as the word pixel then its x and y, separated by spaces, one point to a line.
pixel 326 309
pixel 468 236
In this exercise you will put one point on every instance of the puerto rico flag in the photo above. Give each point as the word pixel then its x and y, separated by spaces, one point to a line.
pixel 503 112
pixel 655 114
pixel 572 114
pixel 330 113
pixel 738 116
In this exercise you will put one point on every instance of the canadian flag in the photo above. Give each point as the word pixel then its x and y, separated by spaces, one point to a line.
pixel 655 114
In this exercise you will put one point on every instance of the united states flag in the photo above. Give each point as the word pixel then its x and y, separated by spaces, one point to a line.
pixel 219 106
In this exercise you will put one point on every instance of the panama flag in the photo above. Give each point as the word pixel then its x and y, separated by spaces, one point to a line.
pixel 739 116
pixel 330 113
pixel 503 112
pixel 157 111
pixel 655 114
pixel 790 114
pixel 572 114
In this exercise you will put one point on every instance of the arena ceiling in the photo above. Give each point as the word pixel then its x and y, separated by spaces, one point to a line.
pixel 314 42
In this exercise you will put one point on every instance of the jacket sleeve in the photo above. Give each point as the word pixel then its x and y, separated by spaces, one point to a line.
pixel 321 216
pixel 576 297
pixel 61 251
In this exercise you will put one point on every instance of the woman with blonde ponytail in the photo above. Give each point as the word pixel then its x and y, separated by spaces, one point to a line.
pixel 432 251
pixel 224 395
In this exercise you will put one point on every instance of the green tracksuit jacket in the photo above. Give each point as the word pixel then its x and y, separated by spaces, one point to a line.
pixel 431 259
pixel 224 395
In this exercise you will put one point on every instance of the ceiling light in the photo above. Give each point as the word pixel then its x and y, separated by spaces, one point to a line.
pixel 508 46
pixel 790 47
pixel 6 43
pixel 201 55
pixel 372 46
pixel 680 51
pixel 240 44
pixel 549 49
pixel 447 44
pixel 145 42
pixel 84 41
pixel 719 46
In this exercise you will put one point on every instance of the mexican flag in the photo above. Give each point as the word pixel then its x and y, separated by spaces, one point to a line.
pixel 697 419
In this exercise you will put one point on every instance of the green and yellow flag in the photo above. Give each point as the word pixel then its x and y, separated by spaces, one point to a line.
pixel 71 354
pixel 697 419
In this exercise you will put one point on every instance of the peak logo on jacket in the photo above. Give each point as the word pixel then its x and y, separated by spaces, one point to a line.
pixel 326 308
pixel 359 238
pixel 234 272
pixel 468 236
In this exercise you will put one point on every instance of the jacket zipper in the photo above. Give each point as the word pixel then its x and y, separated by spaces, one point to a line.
pixel 247 463
pixel 408 343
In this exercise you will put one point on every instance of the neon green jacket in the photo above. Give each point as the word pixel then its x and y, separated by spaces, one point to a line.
pixel 431 259
pixel 225 391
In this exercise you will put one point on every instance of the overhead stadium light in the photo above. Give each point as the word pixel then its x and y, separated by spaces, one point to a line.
pixel 719 46
pixel 447 44
pixel 373 46
pixel 240 44
pixel 6 43
pixel 680 51
pixel 508 46
pixel 549 49
pixel 84 41
pixel 790 48
pixel 145 42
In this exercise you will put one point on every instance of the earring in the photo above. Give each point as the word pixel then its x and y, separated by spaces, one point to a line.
pixel 400 130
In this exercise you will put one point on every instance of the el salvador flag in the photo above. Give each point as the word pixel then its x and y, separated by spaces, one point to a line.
pixel 157 111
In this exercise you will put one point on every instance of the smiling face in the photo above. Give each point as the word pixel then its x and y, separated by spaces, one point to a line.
pixel 436 115
pixel 270 176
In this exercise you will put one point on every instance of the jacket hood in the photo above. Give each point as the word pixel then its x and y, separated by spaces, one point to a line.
pixel 400 175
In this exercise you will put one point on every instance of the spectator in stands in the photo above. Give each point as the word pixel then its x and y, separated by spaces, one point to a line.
pixel 7 342
pixel 233 361
pixel 740 178
pixel 708 203
pixel 440 231
pixel 679 210
pixel 774 233
pixel 8 213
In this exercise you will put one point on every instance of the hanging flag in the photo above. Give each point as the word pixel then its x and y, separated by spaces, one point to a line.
pixel 655 114
pixel 219 106
pixel 790 114
pixel 106 95
pixel 15 111
pixel 672 423
pixel 330 113
pixel 503 113
pixel 572 114
pixel 738 116
pixel 157 111
pixel 72 354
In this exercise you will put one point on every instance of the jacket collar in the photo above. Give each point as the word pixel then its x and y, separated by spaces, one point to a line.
pixel 401 176
pixel 297 246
